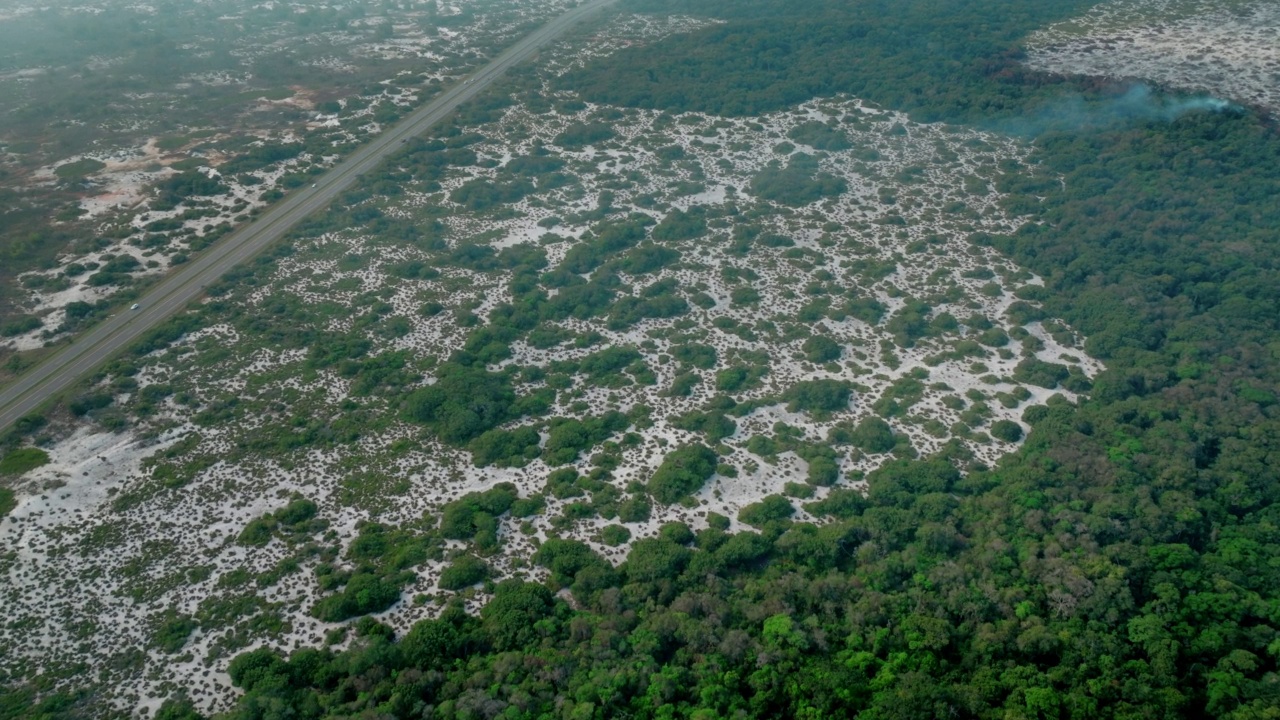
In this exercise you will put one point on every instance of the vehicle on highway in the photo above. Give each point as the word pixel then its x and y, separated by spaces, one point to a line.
pixel 134 306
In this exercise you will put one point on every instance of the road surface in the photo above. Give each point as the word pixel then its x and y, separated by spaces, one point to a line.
pixel 62 369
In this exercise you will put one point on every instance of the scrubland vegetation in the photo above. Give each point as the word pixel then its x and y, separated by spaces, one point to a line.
pixel 143 133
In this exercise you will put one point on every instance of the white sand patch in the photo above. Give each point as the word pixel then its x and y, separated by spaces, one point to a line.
pixel 85 469
pixel 24 74
pixel 121 184
pixel 302 99
pixel 1228 51
pixel 119 191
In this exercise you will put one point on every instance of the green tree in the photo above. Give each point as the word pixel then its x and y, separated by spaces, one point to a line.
pixel 873 435
pixel 683 472
pixel 509 620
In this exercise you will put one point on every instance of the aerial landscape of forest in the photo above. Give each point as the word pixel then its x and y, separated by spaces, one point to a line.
pixel 716 359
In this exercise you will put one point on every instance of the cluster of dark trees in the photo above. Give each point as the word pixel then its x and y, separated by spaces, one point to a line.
pixel 797 183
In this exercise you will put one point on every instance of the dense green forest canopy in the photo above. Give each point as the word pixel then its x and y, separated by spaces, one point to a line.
pixel 955 60
pixel 1123 563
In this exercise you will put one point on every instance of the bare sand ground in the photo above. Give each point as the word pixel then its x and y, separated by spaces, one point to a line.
pixel 1227 50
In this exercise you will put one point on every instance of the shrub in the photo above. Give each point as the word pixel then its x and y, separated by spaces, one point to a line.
pixel 505 448
pixel 262 666
pixel 873 435
pixel 297 512
pixel 636 509
pixel 292 517
pixel 1038 372
pixel 683 472
pixel 820 136
pixel 820 395
pixel 430 643
pixel 823 471
pixel 23 324
pixel 566 558
pixel 676 532
pixel 1006 430
pixel 770 509
pixel 821 349
pixel 654 559
pixel 680 225
pixel 23 460
pixel 569 437
pixel 83 404
pixel 526 507
pixel 463 403
pixel 364 593
pixel 483 193
pixel 614 535
pixel 465 571
pixel 174 631
pixel 797 184
pixel 695 354
pixel 78 169
pixel 463 518
pixel 257 533
pixel 510 618
pixel 580 135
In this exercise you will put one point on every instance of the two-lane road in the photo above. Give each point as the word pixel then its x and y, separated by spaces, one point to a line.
pixel 62 369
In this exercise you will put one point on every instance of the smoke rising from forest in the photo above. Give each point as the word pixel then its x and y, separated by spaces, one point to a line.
pixel 1138 104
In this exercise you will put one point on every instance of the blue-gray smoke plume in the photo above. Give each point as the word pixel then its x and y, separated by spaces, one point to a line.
pixel 1138 104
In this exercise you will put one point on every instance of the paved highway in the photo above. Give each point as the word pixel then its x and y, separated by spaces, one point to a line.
pixel 60 370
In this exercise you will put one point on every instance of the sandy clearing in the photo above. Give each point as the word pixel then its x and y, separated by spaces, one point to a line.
pixel 1227 52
